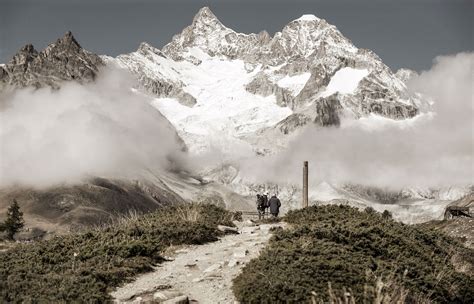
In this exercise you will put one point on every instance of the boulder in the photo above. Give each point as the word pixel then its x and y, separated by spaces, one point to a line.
pixel 233 263
pixel 227 229
pixel 240 253
pixel 213 268
pixel 177 300
pixel 250 229
pixel 164 295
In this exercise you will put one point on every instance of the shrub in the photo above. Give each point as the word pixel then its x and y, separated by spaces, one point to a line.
pixel 84 267
pixel 386 214
pixel 352 250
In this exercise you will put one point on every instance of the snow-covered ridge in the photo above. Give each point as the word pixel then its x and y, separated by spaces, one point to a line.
pixel 216 85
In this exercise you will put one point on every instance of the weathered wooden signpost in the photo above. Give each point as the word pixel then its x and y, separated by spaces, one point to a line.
pixel 305 184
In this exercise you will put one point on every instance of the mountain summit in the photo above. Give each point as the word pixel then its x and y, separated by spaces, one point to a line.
pixel 307 72
pixel 60 61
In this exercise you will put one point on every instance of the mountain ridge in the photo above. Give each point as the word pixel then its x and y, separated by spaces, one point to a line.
pixel 294 69
pixel 308 73
pixel 62 60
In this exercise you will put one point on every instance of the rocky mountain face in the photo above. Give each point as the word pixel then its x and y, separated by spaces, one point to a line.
pixel 60 61
pixel 309 69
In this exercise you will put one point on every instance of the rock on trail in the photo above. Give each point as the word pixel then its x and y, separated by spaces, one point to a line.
pixel 201 273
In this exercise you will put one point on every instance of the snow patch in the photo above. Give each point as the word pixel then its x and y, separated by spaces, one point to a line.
pixel 308 17
pixel 345 81
pixel 294 83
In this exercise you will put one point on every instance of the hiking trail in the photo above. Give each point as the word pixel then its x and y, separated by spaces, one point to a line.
pixel 199 273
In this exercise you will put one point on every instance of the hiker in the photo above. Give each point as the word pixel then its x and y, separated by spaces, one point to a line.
pixel 275 205
pixel 260 206
pixel 265 201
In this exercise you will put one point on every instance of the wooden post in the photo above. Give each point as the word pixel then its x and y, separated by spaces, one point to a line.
pixel 305 184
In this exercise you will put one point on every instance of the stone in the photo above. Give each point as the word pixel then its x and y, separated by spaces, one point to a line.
pixel 182 251
pixel 213 268
pixel 177 300
pixel 240 253
pixel 163 287
pixel 250 229
pixel 233 263
pixel 190 265
pixel 227 229
pixel 164 295
pixel 248 223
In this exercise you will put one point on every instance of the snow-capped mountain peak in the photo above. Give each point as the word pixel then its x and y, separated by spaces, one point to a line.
pixel 307 72
pixel 209 35
pixel 205 18
pixel 146 47
pixel 307 17
pixel 309 34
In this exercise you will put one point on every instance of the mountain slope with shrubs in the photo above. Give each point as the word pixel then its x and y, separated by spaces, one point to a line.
pixel 331 252
pixel 84 267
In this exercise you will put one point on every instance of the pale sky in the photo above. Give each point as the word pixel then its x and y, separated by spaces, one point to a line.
pixel 404 33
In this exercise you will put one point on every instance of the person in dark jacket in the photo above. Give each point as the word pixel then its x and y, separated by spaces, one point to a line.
pixel 275 205
pixel 265 201
pixel 260 206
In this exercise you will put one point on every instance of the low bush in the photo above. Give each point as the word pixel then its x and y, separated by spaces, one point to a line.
pixel 84 267
pixel 356 252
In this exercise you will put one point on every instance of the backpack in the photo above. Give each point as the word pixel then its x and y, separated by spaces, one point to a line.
pixel 261 202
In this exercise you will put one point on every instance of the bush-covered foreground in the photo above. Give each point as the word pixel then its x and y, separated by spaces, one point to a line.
pixel 333 251
pixel 83 267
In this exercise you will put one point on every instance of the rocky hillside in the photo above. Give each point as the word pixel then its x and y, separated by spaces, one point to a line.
pixel 63 60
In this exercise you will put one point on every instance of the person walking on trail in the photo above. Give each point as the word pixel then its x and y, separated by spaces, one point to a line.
pixel 265 201
pixel 261 206
pixel 275 205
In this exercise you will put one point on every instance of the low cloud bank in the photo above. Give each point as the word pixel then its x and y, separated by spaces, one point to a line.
pixel 102 128
pixel 432 150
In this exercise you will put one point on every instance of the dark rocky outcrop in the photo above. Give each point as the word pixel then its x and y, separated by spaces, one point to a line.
pixel 60 61
pixel 261 85
pixel 328 111
pixel 390 109
pixel 293 122
pixel 163 88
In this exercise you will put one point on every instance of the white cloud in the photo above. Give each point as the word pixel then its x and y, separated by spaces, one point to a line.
pixel 102 128
pixel 431 151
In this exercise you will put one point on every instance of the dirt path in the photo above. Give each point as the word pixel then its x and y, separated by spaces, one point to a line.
pixel 202 274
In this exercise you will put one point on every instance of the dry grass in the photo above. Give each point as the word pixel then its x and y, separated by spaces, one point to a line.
pixel 384 292
pixel 188 214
